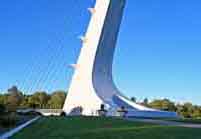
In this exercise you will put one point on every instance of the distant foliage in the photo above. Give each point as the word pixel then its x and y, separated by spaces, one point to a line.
pixel 133 99
pixel 163 104
pixel 57 99
pixel 15 99
pixel 186 110
pixel 39 100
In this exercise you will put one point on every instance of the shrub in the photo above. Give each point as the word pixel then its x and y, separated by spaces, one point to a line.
pixel 2 109
pixel 8 120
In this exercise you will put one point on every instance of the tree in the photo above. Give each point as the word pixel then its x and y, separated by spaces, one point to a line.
pixel 57 100
pixel 14 99
pixel 39 100
pixel 42 99
pixel 164 104
pixel 133 99
pixel 3 99
pixel 179 109
pixel 32 102
pixel 196 112
pixel 146 102
pixel 25 101
pixel 156 104
pixel 187 110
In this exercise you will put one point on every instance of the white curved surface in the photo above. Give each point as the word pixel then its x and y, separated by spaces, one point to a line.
pixel 92 83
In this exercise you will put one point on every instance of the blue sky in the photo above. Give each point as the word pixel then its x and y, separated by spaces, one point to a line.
pixel 157 55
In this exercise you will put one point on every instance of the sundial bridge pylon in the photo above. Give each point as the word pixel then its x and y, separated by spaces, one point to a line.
pixel 92 83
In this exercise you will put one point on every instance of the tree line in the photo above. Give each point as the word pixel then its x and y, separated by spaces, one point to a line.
pixel 15 99
pixel 186 110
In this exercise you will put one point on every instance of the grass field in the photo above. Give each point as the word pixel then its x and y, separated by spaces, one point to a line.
pixel 102 128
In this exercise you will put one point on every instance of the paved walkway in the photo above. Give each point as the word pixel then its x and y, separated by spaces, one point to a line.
pixel 168 123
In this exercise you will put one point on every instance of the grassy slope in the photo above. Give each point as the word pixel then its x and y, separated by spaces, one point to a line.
pixel 11 121
pixel 97 128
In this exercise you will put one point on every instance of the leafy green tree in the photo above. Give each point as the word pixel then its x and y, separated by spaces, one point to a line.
pixel 187 110
pixel 156 104
pixel 32 102
pixel 3 99
pixel 25 102
pixel 196 112
pixel 57 100
pixel 164 104
pixel 14 98
pixel 179 108
pixel 42 98
pixel 39 100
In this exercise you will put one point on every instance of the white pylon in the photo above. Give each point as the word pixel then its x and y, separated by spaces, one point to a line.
pixel 92 84
pixel 92 10
pixel 83 39
pixel 74 66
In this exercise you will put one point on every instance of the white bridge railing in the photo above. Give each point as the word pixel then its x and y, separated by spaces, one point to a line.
pixel 44 112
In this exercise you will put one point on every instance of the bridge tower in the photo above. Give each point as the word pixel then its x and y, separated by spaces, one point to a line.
pixel 92 83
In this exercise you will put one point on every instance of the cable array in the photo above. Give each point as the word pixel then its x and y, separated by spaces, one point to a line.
pixel 39 75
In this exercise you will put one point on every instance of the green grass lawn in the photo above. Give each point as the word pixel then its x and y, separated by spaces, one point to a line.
pixel 102 128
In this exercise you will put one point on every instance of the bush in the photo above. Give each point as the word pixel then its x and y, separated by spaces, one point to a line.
pixel 8 120
pixel 2 109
